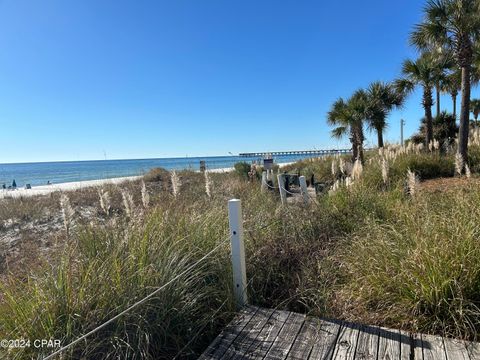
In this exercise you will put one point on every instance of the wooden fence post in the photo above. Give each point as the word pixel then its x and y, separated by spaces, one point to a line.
pixel 270 175
pixel 303 187
pixel 238 252
pixel 264 181
pixel 281 188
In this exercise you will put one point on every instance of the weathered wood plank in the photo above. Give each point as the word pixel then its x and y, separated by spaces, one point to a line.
pixel 473 350
pixel 367 343
pixel 346 342
pixel 306 339
pixel 257 333
pixel 417 347
pixel 456 349
pixel 388 344
pixel 325 344
pixel 433 348
pixel 247 336
pixel 266 338
pixel 286 337
pixel 406 345
pixel 218 347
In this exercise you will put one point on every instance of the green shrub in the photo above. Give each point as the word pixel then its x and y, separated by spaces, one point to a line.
pixel 445 129
pixel 474 158
pixel 242 169
pixel 321 168
pixel 157 175
pixel 425 165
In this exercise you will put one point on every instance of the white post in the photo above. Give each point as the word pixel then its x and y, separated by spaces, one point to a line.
pixel 238 252
pixel 264 181
pixel 281 188
pixel 303 187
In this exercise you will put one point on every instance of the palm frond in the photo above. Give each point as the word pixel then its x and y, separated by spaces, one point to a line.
pixel 340 132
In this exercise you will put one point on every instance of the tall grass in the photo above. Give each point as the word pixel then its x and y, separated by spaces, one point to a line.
pixel 421 269
pixel 368 252
pixel 108 269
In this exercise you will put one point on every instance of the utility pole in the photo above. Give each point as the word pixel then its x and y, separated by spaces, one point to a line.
pixel 402 123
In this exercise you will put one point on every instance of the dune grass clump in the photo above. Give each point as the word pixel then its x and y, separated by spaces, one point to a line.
pixel 176 183
pixel 420 271
pixel 208 184
pixel 108 269
pixel 105 202
pixel 67 213
pixel 145 196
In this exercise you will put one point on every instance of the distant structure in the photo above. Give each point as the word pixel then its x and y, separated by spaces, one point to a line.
pixel 299 152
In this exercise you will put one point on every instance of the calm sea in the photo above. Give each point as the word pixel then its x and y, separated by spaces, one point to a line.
pixel 67 171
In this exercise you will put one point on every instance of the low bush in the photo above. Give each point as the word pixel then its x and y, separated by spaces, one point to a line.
pixel 242 169
pixel 157 175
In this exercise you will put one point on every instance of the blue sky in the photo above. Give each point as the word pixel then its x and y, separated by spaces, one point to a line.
pixel 136 79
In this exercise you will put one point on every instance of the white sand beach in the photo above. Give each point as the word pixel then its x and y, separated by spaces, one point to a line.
pixel 75 185
pixel 69 186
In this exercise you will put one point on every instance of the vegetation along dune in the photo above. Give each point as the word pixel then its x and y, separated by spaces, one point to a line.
pixel 386 236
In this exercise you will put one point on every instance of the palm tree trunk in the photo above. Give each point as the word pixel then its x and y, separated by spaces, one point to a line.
pixel 380 138
pixel 357 142
pixel 437 89
pixel 427 105
pixel 454 101
pixel 464 113
pixel 360 138
pixel 353 140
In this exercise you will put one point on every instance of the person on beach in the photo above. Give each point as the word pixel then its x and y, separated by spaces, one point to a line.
pixel 14 184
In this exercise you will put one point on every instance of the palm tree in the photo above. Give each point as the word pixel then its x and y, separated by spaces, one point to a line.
pixel 452 85
pixel 475 109
pixel 454 24
pixel 443 59
pixel 382 99
pixel 348 117
pixel 420 72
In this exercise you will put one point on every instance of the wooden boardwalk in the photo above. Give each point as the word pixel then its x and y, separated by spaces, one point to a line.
pixel 258 333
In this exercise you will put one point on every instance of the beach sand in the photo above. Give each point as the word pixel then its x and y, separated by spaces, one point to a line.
pixel 75 185
pixel 70 186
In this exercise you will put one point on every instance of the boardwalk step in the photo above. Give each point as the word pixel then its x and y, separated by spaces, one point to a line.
pixel 258 333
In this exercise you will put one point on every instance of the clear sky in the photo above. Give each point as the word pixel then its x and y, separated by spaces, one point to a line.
pixel 134 79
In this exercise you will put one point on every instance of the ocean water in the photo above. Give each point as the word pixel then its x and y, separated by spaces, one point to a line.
pixel 68 171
